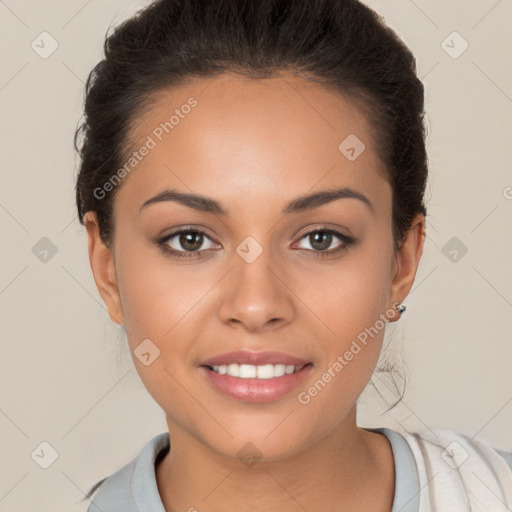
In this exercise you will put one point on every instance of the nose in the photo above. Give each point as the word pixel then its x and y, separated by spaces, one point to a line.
pixel 256 295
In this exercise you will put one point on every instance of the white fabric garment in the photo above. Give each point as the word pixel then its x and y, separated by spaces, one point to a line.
pixel 458 473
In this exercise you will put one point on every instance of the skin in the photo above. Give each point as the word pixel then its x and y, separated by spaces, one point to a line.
pixel 254 146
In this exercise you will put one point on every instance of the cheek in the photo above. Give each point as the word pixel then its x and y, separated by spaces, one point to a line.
pixel 349 306
pixel 354 329
pixel 347 297
pixel 162 302
pixel 155 303
pixel 151 294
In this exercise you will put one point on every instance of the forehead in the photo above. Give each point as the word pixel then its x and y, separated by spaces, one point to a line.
pixel 239 138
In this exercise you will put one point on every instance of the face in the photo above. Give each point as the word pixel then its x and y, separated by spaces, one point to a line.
pixel 314 281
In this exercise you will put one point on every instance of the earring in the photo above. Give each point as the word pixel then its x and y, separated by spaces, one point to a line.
pixel 401 308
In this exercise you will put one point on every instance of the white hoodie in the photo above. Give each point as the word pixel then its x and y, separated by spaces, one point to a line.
pixel 458 473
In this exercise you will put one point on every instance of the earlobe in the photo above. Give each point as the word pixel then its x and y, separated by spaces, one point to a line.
pixel 406 260
pixel 103 268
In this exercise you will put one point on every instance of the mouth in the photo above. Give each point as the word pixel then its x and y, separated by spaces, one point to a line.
pixel 256 383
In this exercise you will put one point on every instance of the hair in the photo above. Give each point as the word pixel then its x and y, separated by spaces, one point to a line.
pixel 342 44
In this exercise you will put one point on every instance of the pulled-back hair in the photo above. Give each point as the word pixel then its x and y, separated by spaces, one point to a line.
pixel 341 43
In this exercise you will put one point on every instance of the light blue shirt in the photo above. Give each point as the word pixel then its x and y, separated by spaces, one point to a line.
pixel 133 488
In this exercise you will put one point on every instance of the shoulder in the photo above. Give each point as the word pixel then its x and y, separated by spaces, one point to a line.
pixel 456 447
pixel 133 485
pixel 460 470
pixel 115 492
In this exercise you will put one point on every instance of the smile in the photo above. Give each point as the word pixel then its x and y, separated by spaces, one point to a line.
pixel 256 383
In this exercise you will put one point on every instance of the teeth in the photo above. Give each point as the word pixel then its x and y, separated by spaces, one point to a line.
pixel 249 371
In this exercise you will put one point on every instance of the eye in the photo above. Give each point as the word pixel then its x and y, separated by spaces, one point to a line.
pixel 320 240
pixel 185 242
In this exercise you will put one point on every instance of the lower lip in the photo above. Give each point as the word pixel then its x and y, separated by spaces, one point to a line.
pixel 256 390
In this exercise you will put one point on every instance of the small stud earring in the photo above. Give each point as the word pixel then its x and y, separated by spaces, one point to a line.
pixel 401 308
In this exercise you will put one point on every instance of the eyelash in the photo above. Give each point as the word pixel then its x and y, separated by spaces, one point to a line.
pixel 161 242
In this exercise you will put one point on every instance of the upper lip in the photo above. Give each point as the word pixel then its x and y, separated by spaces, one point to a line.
pixel 254 358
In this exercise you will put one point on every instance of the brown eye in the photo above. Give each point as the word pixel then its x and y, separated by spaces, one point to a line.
pixel 184 243
pixel 321 239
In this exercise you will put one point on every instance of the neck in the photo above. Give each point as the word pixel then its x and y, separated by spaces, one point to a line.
pixel 350 469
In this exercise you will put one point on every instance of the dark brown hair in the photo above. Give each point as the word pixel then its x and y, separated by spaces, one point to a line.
pixel 340 43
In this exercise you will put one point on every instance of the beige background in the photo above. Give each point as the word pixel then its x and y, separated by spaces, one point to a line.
pixel 66 376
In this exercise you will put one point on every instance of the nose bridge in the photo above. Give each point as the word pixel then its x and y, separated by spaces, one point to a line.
pixel 256 293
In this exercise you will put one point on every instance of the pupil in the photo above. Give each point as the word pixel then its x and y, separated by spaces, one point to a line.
pixel 188 238
pixel 323 236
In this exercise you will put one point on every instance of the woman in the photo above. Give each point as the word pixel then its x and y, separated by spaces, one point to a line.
pixel 252 184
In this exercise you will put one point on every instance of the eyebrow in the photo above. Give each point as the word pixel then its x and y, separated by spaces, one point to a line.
pixel 301 204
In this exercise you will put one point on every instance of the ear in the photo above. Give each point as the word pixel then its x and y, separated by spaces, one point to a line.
pixel 407 259
pixel 102 263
